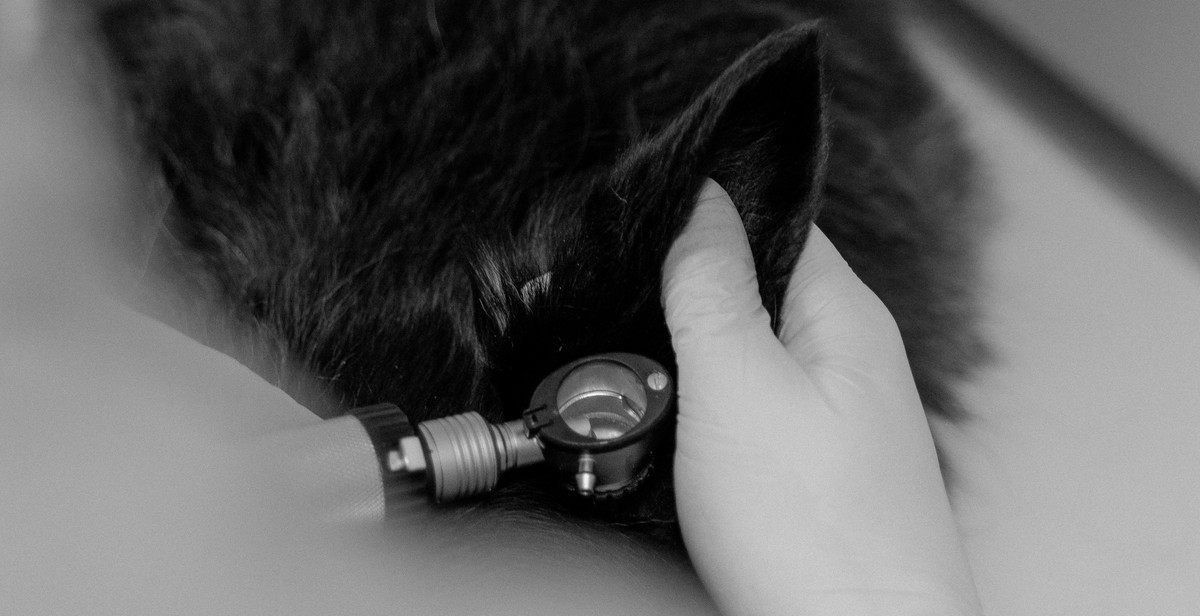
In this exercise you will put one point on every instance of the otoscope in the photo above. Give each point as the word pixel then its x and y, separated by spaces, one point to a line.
pixel 593 422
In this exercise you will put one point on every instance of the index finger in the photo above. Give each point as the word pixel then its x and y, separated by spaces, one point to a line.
pixel 832 320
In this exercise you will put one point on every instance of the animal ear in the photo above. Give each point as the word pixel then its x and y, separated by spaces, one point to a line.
pixel 759 131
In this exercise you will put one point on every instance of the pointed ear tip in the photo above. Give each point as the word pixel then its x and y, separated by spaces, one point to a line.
pixel 800 46
pixel 772 79
pixel 809 34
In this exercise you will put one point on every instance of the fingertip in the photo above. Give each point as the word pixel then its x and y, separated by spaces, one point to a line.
pixel 828 311
pixel 712 191
pixel 819 254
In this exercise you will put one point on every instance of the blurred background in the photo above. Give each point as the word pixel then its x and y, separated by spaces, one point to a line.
pixel 1076 482
pixel 1139 62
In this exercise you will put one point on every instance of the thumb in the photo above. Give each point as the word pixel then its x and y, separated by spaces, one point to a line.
pixel 710 288
pixel 725 349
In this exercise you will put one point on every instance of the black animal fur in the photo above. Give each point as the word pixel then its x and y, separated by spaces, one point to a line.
pixel 365 194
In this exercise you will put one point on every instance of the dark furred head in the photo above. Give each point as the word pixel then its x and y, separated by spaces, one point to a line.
pixel 582 273
pixel 438 203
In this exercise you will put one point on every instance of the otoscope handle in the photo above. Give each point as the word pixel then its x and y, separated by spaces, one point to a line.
pixel 329 467
pixel 337 466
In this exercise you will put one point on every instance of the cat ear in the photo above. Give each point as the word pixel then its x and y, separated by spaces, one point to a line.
pixel 759 131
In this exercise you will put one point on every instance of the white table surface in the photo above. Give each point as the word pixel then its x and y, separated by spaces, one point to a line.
pixel 1078 485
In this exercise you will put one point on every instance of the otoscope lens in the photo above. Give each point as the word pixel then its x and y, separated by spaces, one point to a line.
pixel 601 400
pixel 601 415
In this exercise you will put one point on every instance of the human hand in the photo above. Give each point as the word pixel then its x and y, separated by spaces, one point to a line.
pixel 805 473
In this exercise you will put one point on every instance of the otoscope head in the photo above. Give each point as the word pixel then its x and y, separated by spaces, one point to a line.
pixel 599 418
pixel 595 421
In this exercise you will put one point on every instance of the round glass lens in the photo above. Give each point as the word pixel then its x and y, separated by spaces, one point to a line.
pixel 601 415
pixel 601 400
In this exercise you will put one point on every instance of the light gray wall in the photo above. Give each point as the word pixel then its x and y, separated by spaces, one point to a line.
pixel 1140 59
